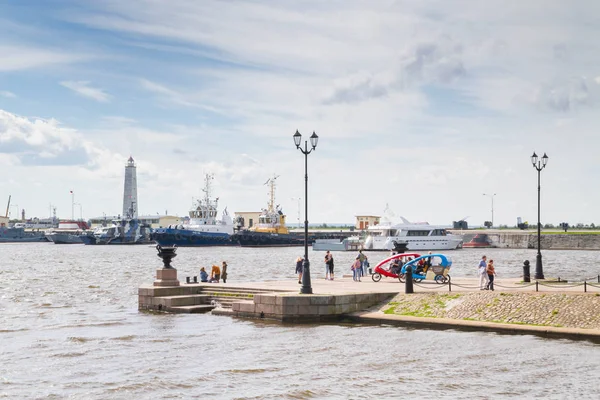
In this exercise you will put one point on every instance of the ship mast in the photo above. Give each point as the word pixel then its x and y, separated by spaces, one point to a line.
pixel 206 190
pixel 8 205
pixel 271 183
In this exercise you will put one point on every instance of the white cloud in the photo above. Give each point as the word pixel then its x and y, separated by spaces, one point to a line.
pixel 84 89
pixel 7 94
pixel 18 57
pixel 423 105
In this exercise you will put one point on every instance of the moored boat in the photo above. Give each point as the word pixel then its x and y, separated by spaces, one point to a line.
pixel 203 228
pixel 270 231
pixel 352 243
pixel 121 231
pixel 415 236
pixel 20 235
pixel 68 232
pixel 479 240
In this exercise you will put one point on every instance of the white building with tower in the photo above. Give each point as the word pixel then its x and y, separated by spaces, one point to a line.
pixel 130 199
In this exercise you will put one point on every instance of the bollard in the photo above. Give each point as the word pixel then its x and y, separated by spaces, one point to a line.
pixel 408 286
pixel 536 286
pixel 187 279
pixel 584 286
pixel 195 279
pixel 526 274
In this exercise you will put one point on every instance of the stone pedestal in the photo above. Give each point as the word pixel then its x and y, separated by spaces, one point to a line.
pixel 166 277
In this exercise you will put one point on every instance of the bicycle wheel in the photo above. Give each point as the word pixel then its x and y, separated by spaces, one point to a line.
pixel 402 278
pixel 376 277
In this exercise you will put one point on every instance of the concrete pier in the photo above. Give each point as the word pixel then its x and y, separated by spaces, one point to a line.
pixel 369 302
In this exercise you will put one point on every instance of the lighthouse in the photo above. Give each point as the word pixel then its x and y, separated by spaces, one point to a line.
pixel 130 203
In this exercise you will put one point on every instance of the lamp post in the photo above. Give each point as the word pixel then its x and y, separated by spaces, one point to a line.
pixel 306 286
pixel 491 197
pixel 539 165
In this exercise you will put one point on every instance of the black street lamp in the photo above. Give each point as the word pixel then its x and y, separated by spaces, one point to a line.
pixel 539 165
pixel 306 286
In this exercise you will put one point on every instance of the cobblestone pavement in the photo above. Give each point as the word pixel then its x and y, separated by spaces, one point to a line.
pixel 568 310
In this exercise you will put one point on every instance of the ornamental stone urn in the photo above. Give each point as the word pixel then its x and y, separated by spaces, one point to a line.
pixel 167 254
pixel 166 276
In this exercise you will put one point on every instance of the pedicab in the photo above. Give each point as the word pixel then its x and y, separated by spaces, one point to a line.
pixel 380 269
pixel 430 266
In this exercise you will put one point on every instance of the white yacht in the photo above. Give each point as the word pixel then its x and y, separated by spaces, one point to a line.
pixel 416 237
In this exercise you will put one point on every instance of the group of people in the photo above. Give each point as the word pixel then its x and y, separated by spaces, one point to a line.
pixel 359 266
pixel 216 274
pixel 486 274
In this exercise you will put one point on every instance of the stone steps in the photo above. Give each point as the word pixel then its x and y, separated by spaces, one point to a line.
pixel 183 300
pixel 201 298
pixel 195 309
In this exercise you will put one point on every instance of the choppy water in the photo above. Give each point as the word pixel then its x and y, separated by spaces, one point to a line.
pixel 69 328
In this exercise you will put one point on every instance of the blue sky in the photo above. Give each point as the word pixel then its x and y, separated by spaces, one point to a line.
pixel 423 106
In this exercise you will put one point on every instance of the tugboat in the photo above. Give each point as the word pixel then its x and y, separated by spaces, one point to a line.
pixel 203 228
pixel 270 230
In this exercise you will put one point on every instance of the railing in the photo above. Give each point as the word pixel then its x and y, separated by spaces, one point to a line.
pixel 558 285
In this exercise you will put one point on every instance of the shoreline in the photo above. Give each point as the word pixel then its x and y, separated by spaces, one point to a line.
pixel 555 310
pixel 379 318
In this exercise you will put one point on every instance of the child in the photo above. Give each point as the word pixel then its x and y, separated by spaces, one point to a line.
pixel 356 269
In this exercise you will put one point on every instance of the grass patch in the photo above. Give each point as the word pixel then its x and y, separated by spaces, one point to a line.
pixel 391 310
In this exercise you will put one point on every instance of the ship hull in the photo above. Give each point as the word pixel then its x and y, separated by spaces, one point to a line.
pixel 19 235
pixel 264 239
pixel 190 238
pixel 91 240
pixel 64 238
pixel 40 239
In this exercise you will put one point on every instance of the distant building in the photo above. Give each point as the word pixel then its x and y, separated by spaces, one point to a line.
pixel 3 221
pixel 130 199
pixel 364 221
pixel 248 219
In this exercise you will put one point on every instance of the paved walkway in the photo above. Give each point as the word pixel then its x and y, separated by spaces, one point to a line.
pixel 347 285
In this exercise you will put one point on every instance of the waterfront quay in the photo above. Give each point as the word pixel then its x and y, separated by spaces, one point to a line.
pixel 547 308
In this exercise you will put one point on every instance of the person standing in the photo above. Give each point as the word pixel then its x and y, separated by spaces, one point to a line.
pixel 329 265
pixel 483 277
pixel 356 270
pixel 361 257
pixel 491 272
pixel 224 272
pixel 327 255
pixel 299 262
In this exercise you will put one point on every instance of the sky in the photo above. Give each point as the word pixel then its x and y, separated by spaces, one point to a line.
pixel 421 107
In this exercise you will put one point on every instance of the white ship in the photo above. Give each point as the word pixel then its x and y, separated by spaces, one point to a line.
pixel 416 237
